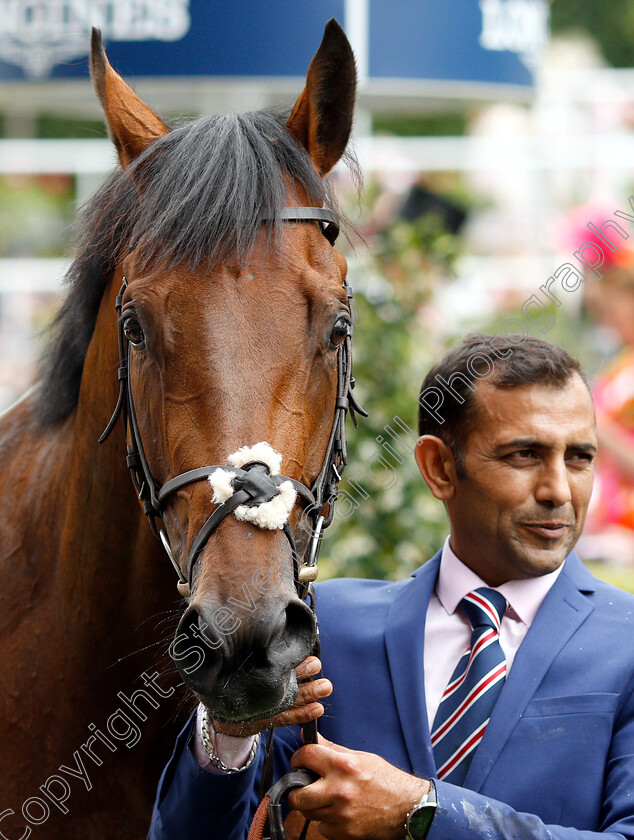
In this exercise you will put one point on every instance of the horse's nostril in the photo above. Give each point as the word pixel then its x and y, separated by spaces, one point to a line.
pixel 300 625
pixel 196 650
pixel 283 640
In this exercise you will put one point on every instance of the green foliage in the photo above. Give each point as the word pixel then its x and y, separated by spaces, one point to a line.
pixel 610 24
pixel 399 525
pixel 621 576
pixel 445 124
pixel 55 126
pixel 35 215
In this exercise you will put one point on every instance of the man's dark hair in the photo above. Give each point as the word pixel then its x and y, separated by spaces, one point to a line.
pixel 503 361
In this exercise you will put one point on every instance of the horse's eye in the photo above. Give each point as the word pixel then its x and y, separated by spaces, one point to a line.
pixel 340 331
pixel 132 331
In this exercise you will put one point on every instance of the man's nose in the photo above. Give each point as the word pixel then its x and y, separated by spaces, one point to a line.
pixel 554 483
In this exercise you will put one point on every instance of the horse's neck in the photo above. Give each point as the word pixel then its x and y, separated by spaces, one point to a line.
pixel 72 532
pixel 128 569
pixel 83 594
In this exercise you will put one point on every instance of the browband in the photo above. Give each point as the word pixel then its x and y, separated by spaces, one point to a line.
pixel 328 220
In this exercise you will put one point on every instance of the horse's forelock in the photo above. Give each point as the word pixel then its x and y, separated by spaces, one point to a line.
pixel 202 188
pixel 206 183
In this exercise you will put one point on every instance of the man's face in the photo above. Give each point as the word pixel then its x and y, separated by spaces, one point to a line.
pixel 528 464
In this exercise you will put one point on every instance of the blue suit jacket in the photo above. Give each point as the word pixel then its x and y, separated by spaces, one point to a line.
pixel 556 761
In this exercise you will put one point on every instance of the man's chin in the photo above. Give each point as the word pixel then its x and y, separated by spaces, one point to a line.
pixel 544 560
pixel 545 549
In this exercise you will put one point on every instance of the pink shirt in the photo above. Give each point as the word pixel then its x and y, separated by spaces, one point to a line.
pixel 448 633
pixel 447 636
pixel 232 751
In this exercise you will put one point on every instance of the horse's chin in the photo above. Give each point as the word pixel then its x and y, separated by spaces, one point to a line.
pixel 232 710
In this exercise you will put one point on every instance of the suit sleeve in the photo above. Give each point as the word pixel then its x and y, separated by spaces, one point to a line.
pixel 465 815
pixel 200 805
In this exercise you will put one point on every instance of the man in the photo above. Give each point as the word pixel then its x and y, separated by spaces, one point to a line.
pixel 497 681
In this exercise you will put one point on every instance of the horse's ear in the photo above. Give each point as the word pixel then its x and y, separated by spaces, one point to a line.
pixel 132 125
pixel 322 117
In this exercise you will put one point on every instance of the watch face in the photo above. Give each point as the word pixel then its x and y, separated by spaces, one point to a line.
pixel 420 820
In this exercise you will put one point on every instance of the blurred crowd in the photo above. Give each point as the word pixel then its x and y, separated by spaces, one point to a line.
pixel 609 301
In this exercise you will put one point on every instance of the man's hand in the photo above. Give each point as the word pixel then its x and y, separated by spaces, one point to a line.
pixel 306 708
pixel 359 794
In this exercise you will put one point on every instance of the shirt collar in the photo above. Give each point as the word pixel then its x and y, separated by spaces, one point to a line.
pixel 455 580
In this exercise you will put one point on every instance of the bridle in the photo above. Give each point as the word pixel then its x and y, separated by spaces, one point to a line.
pixel 253 484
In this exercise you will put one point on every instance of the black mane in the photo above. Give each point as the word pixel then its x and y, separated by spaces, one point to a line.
pixel 204 186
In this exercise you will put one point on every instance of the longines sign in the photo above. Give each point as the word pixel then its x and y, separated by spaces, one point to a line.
pixel 481 41
pixel 36 36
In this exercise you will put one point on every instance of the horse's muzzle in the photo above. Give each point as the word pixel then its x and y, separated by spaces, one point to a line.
pixel 242 666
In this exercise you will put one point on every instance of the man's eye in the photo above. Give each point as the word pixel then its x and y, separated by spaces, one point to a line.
pixel 582 457
pixel 132 331
pixel 522 456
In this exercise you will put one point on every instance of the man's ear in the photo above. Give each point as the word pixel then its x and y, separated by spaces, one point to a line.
pixel 437 465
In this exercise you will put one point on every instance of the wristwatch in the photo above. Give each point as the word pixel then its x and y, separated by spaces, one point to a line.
pixel 419 819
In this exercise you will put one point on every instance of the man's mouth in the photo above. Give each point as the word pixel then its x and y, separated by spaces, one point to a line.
pixel 547 530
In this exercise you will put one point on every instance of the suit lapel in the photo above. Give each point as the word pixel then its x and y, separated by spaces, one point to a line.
pixel 404 640
pixel 564 609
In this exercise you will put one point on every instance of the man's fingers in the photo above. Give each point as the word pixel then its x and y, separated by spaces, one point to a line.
pixel 314 690
pixel 306 708
pixel 295 715
pixel 314 757
pixel 299 715
pixel 324 742
pixel 310 667
pixel 309 798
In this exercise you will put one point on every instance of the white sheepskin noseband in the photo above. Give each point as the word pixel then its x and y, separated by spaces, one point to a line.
pixel 273 514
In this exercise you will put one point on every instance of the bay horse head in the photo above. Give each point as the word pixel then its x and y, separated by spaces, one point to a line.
pixel 234 337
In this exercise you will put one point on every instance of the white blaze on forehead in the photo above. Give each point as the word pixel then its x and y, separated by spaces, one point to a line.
pixel 273 514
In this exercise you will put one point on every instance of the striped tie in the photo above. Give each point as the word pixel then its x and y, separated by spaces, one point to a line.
pixel 474 687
